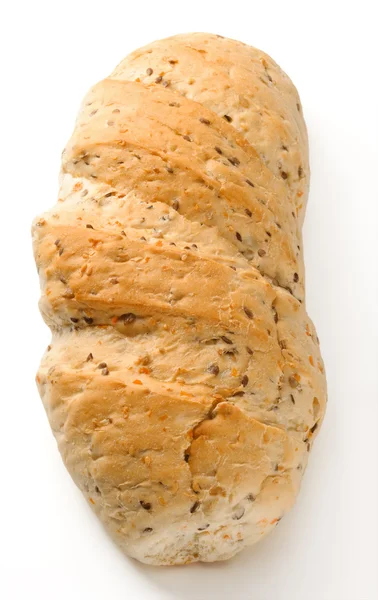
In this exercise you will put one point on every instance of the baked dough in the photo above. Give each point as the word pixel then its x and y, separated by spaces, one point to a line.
pixel 184 382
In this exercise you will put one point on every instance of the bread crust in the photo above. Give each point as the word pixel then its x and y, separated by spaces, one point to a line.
pixel 184 382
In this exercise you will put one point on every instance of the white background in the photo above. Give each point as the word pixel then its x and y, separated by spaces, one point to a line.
pixel 326 549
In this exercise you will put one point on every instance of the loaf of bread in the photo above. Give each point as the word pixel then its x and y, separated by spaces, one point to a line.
pixel 183 383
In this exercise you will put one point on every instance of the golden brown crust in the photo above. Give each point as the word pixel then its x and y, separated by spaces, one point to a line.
pixel 184 381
